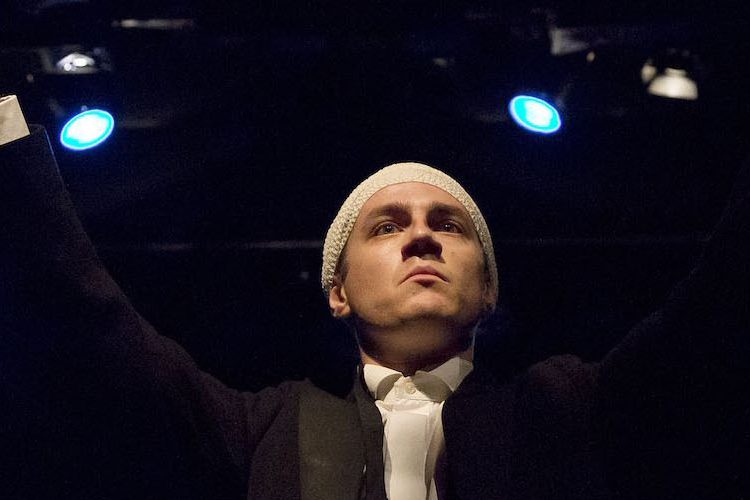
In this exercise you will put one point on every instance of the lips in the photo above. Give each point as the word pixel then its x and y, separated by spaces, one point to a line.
pixel 425 271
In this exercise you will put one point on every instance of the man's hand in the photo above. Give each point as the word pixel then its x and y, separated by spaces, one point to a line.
pixel 12 123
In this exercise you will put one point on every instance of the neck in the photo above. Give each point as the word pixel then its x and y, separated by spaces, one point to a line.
pixel 410 367
pixel 410 351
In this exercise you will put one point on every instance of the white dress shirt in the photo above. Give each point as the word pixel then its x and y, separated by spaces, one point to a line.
pixel 412 425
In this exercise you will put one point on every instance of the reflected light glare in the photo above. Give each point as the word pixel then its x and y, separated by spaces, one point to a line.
pixel 534 114
pixel 87 130
pixel 648 72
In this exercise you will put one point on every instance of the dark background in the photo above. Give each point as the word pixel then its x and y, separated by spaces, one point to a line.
pixel 242 128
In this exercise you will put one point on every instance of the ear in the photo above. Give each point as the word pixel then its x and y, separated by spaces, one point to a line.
pixel 489 297
pixel 337 300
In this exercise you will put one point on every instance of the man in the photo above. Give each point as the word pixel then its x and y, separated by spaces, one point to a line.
pixel 408 263
pixel 416 275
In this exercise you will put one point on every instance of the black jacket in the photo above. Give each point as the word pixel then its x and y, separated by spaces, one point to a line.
pixel 98 405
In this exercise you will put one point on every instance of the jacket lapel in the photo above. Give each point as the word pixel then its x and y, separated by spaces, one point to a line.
pixel 331 452
pixel 372 435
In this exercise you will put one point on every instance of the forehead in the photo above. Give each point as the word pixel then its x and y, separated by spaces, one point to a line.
pixel 412 194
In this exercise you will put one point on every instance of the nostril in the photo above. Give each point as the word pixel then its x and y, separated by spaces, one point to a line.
pixel 422 246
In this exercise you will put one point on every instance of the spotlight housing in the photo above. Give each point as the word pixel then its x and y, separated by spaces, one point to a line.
pixel 672 74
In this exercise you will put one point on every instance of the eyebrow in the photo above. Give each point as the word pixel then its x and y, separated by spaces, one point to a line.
pixel 403 208
pixel 439 208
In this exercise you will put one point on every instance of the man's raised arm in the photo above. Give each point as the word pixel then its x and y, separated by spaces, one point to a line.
pixel 127 413
pixel 675 397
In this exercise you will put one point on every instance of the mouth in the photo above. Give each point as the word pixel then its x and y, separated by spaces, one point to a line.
pixel 424 272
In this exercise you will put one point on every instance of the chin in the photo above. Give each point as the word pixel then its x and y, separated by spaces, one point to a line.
pixel 437 305
pixel 428 296
pixel 437 309
pixel 437 316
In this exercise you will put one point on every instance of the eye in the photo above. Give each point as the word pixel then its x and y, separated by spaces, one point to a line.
pixel 386 228
pixel 449 227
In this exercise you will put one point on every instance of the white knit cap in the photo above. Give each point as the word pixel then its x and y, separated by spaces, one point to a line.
pixel 398 173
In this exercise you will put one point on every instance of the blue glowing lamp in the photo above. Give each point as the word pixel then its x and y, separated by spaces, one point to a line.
pixel 534 114
pixel 87 130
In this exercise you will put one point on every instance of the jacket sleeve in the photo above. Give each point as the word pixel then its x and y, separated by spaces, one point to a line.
pixel 674 393
pixel 125 411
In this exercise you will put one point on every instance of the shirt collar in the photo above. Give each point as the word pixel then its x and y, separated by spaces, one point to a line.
pixel 380 379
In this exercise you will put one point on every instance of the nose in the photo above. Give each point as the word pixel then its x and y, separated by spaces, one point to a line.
pixel 422 243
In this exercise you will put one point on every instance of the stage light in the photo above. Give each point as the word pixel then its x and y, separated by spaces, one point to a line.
pixel 87 130
pixel 535 114
pixel 74 60
pixel 674 83
pixel 672 74
pixel 76 63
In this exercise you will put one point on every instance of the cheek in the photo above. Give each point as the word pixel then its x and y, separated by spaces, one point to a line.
pixel 473 278
pixel 368 272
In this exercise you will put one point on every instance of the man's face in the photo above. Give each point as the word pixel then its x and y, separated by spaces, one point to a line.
pixel 412 256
